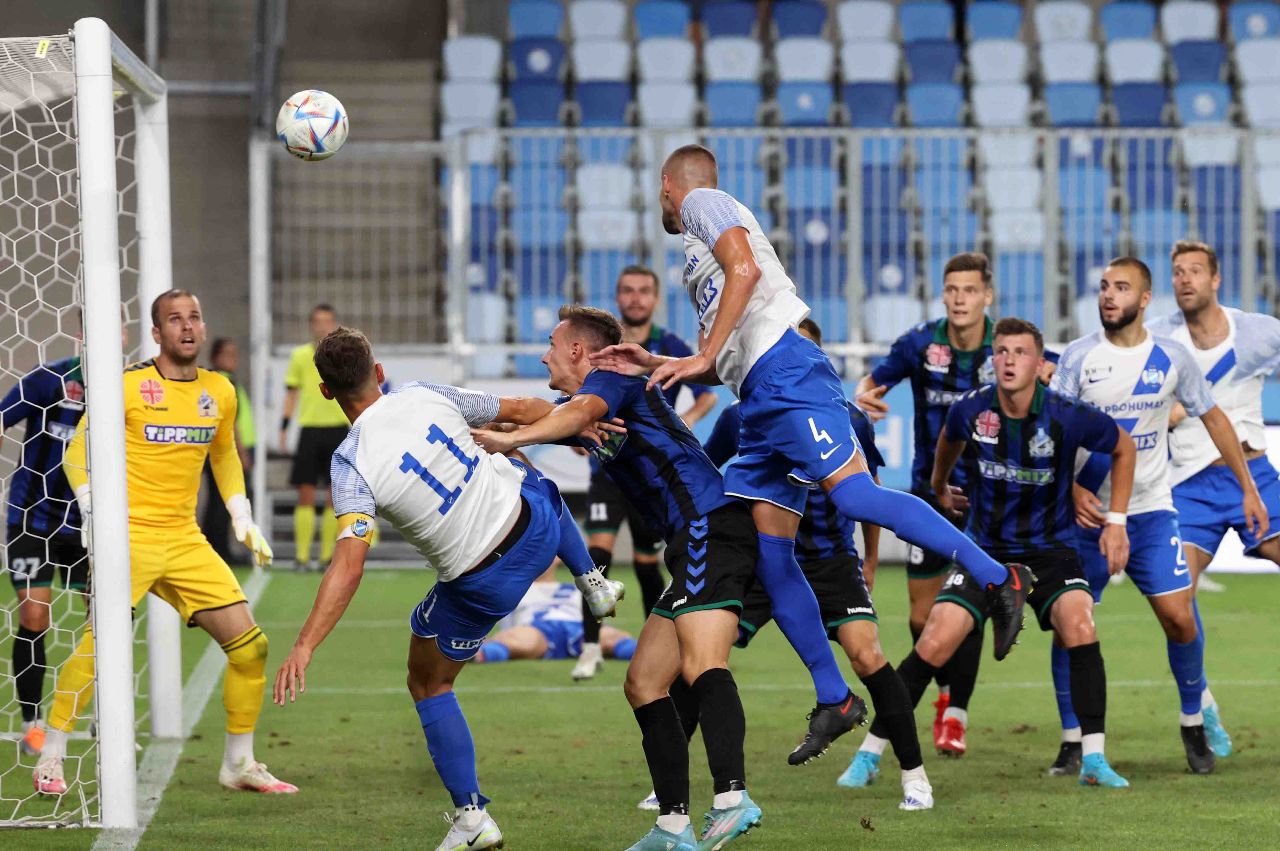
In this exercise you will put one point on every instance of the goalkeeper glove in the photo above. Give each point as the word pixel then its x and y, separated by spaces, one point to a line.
pixel 85 502
pixel 247 532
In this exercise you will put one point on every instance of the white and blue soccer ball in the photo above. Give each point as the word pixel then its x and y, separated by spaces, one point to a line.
pixel 312 124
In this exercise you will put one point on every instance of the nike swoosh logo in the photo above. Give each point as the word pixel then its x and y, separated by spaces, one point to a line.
pixel 1182 572
pixel 1094 380
pixel 827 454
pixel 1017 581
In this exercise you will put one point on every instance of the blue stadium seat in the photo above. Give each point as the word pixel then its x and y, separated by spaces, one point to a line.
pixel 536 103
pixel 548 150
pixel 536 184
pixel 998 60
pixel 1020 284
pixel 888 269
pixel 832 315
pixel 945 233
pixel 732 104
pixel 943 189
pixel 993 20
pixel 933 61
pixel 1216 187
pixel 532 18
pixel 1199 61
pixel 935 104
pixel 1189 20
pixel 810 186
pixel 485 180
pixel 870 62
pixel 667 104
pixel 729 18
pixel 804 58
pixel 741 174
pixel 1135 60
pixel 818 260
pixel 1086 189
pixel 1063 20
pixel 472 57
pixel 1001 104
pixel 871 104
pixel 881 152
pixel 732 58
pixel 1128 19
pixel 941 153
pixel 661 19
pixel 804 104
pixel 799 18
pixel 603 104
pixel 882 190
pixel 865 20
pixel 536 58
pixel 1080 149
pixel 1073 104
pixel 538 314
pixel 1139 104
pixel 1258 61
pixel 1254 20
pixel 597 19
pixel 808 150
pixel 600 270
pixel 1069 61
pixel 922 20
pixel 1155 230
pixel 663 58
pixel 541 272
pixel 1202 104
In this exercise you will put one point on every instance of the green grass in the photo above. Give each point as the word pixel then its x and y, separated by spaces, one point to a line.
pixel 564 767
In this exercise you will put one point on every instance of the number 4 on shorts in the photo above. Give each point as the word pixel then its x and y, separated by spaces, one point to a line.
pixel 819 436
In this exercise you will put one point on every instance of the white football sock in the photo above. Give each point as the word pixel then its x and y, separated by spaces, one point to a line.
pixel 725 800
pixel 55 744
pixel 1186 720
pixel 944 691
pixel 874 744
pixel 1071 735
pixel 917 773
pixel 673 823
pixel 239 748
pixel 961 715
pixel 1092 743
pixel 1206 698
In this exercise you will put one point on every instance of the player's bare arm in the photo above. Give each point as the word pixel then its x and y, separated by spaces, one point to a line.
pixel 951 499
pixel 1224 438
pixel 1114 543
pixel 290 406
pixel 336 590
pixel 870 397
pixel 573 417
pixel 702 405
pixel 522 410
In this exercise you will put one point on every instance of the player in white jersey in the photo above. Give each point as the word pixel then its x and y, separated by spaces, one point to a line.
pixel 1136 377
pixel 487 524
pixel 796 431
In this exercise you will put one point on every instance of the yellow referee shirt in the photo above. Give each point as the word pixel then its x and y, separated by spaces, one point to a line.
pixel 314 411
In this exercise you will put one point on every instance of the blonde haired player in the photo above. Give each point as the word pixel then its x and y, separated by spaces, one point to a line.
pixel 176 415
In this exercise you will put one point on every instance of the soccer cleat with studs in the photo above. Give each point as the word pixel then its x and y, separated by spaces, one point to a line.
pixel 940 709
pixel 951 742
pixel 1096 772
pixel 724 826
pixel 251 776
pixel 1200 758
pixel 470 829
pixel 1217 735
pixel 600 593
pixel 828 722
pixel 658 839
pixel 590 662
pixel 33 741
pixel 1006 602
pixel 48 777
pixel 863 770
pixel 1068 762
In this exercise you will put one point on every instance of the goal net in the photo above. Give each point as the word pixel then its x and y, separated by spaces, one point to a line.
pixel 83 244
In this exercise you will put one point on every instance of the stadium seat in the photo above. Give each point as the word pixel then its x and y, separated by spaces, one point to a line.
pixel 1189 20
pixel 811 150
pixel 1135 60
pixel 1254 20
pixel 810 186
pixel 935 104
pixel 591 19
pixel 1000 150
pixel 925 20
pixel 1199 61
pixel 665 59
pixel 832 315
pixel 603 104
pixel 934 61
pixel 548 150
pixel 870 62
pixel 1202 104
pixel 731 59
pixel 1258 61
pixel 1139 104
pixel 871 104
pixel 1086 189
pixel 882 189
pixel 1128 19
pixel 539 227
pixel 738 158
pixel 804 104
pixel 1063 20
pixel 536 58
pixel 888 268
pixel 1215 188
pixel 940 188
pixel 1001 104
pixel 472 57
pixel 884 316
pixel 661 19
pixel 997 60
pixel 865 20
pixel 795 18
pixel 667 104
pixel 1148 176
pixel 804 59
pixel 1266 150
pixel 1083 149
pixel 1020 283
pixel 536 103
pixel 605 185
pixel 818 262
pixel 729 19
pixel 1012 188
pixel 733 104
pixel 1073 104
pixel 609 229
pixel 1262 104
pixel 535 18
pixel 1269 188
pixel 601 59
pixel 1204 149
pixel 1153 232
pixel 941 152
pixel 1069 61
pixel 996 19
pixel 537 184
pixel 469 104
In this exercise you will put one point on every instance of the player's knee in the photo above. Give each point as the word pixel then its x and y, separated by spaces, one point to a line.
pixel 33 615
pixel 248 652
pixel 1180 629
pixel 866 660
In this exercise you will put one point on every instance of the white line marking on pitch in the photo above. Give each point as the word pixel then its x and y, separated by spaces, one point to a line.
pixel 161 758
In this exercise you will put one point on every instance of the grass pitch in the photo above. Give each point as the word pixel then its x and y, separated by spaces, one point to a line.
pixel 562 761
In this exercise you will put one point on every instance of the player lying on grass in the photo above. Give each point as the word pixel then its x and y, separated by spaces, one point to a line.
pixel 711 556
pixel 1020 441
pixel 488 525
pixel 547 624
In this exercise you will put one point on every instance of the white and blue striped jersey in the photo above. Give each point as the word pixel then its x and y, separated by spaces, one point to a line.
pixel 1137 387
pixel 546 601
pixel 1236 369
pixel 410 459
pixel 774 306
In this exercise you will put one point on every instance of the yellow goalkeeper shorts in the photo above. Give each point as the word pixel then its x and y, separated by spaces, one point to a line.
pixel 179 566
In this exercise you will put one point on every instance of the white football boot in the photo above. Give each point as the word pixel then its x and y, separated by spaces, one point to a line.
pixel 251 776
pixel 470 829
pixel 48 776
pixel 590 662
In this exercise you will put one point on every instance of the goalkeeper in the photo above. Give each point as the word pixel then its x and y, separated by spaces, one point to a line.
pixel 176 415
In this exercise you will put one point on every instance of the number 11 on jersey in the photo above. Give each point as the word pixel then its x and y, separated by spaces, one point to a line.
pixel 410 464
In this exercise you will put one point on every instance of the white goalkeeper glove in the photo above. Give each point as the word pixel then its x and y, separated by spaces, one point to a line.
pixel 247 532
pixel 84 500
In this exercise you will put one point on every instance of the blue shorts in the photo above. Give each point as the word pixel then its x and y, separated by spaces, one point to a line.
pixel 460 613
pixel 795 426
pixel 564 638
pixel 1157 564
pixel 1211 502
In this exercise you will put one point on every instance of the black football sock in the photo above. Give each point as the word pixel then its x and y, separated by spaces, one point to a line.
pixel 892 703
pixel 962 668
pixel 941 677
pixel 667 752
pixel 649 578
pixel 916 674
pixel 602 558
pixel 724 728
pixel 28 671
pixel 686 704
pixel 1089 687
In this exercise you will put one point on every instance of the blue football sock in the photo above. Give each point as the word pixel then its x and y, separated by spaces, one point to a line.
pixel 624 649
pixel 494 652
pixel 798 616
pixel 1187 663
pixel 911 519
pixel 1060 663
pixel 1200 636
pixel 452 751
pixel 572 549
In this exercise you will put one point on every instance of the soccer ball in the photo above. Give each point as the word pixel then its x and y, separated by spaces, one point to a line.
pixel 312 124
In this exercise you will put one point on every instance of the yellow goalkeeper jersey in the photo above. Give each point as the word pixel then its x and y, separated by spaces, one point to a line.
pixel 171 426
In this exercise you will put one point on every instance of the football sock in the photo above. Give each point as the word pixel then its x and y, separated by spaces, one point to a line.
pixel 28 671
pixel 243 686
pixel 1204 640
pixel 914 521
pixel 725 800
pixel 237 750
pixel 667 752
pixel 686 705
pixel 1187 663
pixel 944 684
pixel 724 728
pixel 1206 698
pixel 494 652
pixel 624 649
pixel 649 578
pixel 328 534
pixel 600 558
pixel 673 822
pixel 916 675
pixel 74 688
pixel 55 744
pixel 798 616
pixel 893 704
pixel 452 751
pixel 962 668
pixel 874 744
pixel 304 526
pixel 1060 664
pixel 573 550
pixel 1089 688
pixel 1093 743
pixel 961 715
pixel 1072 735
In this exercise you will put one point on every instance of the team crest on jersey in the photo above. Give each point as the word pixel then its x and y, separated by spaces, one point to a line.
pixel 1153 379
pixel 206 407
pixel 1041 444
pixel 72 395
pixel 152 391
pixel 937 358
pixel 986 428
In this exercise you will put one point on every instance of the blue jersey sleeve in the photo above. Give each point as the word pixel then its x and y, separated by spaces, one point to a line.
pixel 956 429
pixel 615 389
pixel 1091 428
pixel 1192 390
pixel 866 434
pixel 901 361
pixel 1051 356
pixel 723 442
pixel 708 213
pixel 351 493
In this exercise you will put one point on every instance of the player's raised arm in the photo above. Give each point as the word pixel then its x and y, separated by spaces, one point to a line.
pixel 522 410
